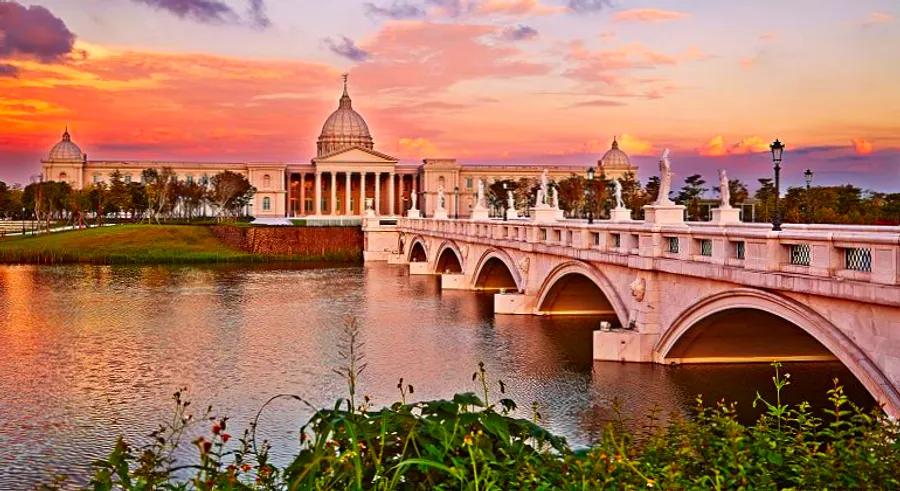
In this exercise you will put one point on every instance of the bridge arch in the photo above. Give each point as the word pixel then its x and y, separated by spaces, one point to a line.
pixel 418 250
pixel 448 258
pixel 496 270
pixel 690 339
pixel 576 288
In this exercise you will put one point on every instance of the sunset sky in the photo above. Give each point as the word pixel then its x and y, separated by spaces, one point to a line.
pixel 478 80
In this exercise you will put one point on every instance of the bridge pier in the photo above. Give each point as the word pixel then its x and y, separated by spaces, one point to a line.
pixel 513 303
pixel 419 268
pixel 628 346
pixel 453 281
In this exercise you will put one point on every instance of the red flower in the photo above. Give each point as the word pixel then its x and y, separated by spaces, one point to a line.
pixel 225 437
pixel 216 428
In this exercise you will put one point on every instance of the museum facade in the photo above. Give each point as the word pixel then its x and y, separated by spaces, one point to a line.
pixel 346 171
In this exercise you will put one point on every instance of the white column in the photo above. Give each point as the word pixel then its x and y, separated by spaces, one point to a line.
pixel 302 193
pixel 400 201
pixel 392 210
pixel 362 193
pixel 347 210
pixel 333 207
pixel 377 193
pixel 318 191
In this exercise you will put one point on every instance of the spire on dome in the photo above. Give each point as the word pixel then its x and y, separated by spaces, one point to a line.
pixel 346 103
pixel 615 143
pixel 66 136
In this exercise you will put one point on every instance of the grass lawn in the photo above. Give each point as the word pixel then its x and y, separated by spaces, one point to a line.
pixel 123 244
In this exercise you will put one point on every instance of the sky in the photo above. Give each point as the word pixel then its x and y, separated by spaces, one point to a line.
pixel 482 81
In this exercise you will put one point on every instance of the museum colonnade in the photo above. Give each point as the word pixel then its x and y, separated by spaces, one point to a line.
pixel 344 193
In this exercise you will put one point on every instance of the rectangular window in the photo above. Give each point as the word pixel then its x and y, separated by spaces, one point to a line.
pixel 469 182
pixel 800 254
pixel 189 179
pixel 595 238
pixel 739 250
pixel 706 247
pixel 672 245
pixel 616 240
pixel 858 259
pixel 543 234
pixel 128 179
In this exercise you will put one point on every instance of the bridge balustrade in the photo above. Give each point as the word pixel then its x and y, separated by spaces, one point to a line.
pixel 860 253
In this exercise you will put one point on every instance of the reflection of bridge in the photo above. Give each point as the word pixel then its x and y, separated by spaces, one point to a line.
pixel 682 293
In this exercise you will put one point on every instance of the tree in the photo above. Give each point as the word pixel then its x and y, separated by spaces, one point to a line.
pixel 47 200
pixel 765 198
pixel 230 193
pixel 496 193
pixel 652 189
pixel 572 194
pixel 159 188
pixel 10 200
pixel 119 196
pixel 690 195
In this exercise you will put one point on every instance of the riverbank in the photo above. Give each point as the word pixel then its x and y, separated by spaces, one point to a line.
pixel 142 244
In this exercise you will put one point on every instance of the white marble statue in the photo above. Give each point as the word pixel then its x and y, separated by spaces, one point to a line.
pixel 554 200
pixel 510 200
pixel 440 200
pixel 724 191
pixel 620 205
pixel 541 200
pixel 481 203
pixel 414 198
pixel 665 179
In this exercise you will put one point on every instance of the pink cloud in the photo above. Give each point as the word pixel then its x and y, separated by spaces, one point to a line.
pixel 877 18
pixel 429 57
pixel 648 15
pixel 518 7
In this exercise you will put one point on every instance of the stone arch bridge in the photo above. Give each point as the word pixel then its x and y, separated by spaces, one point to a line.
pixel 684 293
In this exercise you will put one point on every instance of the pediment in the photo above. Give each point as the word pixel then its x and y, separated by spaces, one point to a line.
pixel 355 155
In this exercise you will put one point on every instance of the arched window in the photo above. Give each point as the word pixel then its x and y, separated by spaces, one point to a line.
pixel 267 181
pixel 63 176
pixel 267 203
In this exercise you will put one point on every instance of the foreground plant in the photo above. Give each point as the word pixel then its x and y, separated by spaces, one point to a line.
pixel 468 442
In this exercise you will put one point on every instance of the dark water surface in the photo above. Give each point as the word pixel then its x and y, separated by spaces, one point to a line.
pixel 91 352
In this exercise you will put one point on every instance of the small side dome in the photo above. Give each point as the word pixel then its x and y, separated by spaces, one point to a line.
pixel 66 150
pixel 615 158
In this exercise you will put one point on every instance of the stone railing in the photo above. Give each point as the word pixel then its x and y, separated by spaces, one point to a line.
pixel 868 254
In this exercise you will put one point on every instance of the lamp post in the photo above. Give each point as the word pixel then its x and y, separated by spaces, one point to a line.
pixel 505 202
pixel 808 176
pixel 590 179
pixel 23 221
pixel 456 205
pixel 777 150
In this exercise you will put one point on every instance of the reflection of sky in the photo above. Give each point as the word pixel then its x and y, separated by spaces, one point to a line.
pixel 91 352
pixel 715 81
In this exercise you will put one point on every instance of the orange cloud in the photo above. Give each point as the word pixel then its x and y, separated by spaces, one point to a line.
pixel 648 15
pixel 717 147
pixel 416 148
pixel 876 18
pixel 518 7
pixel 633 145
pixel 862 146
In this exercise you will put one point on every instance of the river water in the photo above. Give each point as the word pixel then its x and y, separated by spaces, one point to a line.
pixel 91 352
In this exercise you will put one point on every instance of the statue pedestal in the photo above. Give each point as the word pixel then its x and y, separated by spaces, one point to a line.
pixel 512 214
pixel 663 214
pixel 560 215
pixel 544 214
pixel 724 216
pixel 479 213
pixel 440 214
pixel 413 213
pixel 620 215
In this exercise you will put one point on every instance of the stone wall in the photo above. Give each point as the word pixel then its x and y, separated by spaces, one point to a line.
pixel 314 242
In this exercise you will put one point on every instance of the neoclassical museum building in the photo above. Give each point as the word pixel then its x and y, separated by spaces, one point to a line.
pixel 346 170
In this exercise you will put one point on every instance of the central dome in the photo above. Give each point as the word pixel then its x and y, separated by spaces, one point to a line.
pixel 66 150
pixel 614 158
pixel 345 128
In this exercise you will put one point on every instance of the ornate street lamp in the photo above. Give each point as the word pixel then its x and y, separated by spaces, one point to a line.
pixel 777 150
pixel 808 176
pixel 590 178
pixel 456 205
pixel 505 201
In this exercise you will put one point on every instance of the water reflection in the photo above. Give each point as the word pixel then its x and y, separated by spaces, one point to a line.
pixel 91 352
